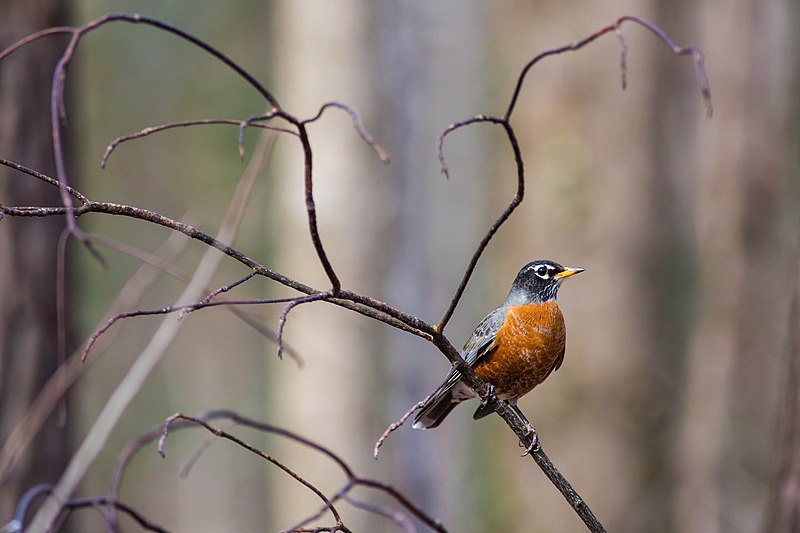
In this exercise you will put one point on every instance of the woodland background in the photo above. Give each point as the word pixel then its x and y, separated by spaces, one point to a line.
pixel 673 410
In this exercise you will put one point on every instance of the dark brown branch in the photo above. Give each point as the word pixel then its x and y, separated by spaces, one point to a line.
pixel 183 124
pixel 17 524
pixel 358 125
pixel 57 30
pixel 518 196
pixel 103 502
pixel 696 54
pixel 180 275
pixel 225 288
pixel 248 447
pixel 185 308
pixel 311 211
pixel 43 177
pixel 364 305
pixel 573 498
pixel 291 305
pixel 352 479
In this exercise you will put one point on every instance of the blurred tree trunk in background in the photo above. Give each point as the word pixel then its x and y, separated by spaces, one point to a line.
pixel 432 223
pixel 328 400
pixel 783 504
pixel 396 228
pixel 28 248
pixel 745 213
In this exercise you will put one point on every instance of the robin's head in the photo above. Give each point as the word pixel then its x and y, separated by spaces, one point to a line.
pixel 539 281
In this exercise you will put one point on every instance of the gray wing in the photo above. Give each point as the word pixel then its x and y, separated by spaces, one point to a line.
pixel 444 400
pixel 480 343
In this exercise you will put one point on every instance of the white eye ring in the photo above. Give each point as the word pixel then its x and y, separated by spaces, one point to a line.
pixel 543 271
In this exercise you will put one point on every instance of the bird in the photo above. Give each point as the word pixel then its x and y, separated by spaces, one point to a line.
pixel 514 348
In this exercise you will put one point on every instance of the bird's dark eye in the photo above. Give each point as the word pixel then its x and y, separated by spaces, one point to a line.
pixel 542 271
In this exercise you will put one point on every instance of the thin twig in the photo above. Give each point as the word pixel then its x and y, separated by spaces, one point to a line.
pixel 169 309
pixel 291 305
pixel 518 196
pixel 401 520
pixel 352 479
pixel 358 125
pixel 696 54
pixel 248 447
pixel 57 30
pixel 17 524
pixel 43 177
pixel 182 124
pixel 229 286
pixel 397 423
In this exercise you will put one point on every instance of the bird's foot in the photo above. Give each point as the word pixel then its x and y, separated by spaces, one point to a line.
pixel 490 395
pixel 535 444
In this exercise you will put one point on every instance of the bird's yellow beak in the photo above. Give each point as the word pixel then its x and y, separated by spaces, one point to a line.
pixel 568 271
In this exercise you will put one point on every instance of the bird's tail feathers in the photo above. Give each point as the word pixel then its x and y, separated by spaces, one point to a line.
pixel 437 408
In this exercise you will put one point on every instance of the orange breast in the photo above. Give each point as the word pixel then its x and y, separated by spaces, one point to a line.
pixel 526 348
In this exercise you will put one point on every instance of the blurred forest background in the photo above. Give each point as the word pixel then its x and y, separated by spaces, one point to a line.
pixel 675 407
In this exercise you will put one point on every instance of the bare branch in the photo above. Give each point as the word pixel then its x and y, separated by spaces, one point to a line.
pixel 183 124
pixel 229 286
pixel 58 30
pixel 400 519
pixel 364 305
pixel 17 524
pixel 44 177
pixel 292 304
pixel 352 479
pixel 518 196
pixel 696 54
pixel 248 447
pixel 311 211
pixel 184 309
pixel 178 274
pixel 358 124
pixel 398 423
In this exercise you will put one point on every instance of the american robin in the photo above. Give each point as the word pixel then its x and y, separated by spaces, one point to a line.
pixel 513 349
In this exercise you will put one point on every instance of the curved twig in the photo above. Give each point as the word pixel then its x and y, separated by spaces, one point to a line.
pixel 518 196
pixel 291 305
pixel 182 124
pixel 225 435
pixel 17 524
pixel 697 56
pixel 184 309
pixel 358 125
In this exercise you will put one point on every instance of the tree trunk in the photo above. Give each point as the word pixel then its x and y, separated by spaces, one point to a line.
pixel 28 331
